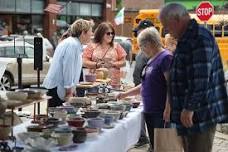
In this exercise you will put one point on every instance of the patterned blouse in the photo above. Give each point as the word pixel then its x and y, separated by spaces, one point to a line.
pixel 115 53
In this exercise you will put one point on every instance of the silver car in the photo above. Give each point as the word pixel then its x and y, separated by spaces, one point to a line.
pixel 9 54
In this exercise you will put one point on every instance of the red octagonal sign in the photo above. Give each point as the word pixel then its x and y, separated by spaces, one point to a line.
pixel 204 11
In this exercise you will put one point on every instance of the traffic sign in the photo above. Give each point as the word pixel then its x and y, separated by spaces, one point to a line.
pixel 204 11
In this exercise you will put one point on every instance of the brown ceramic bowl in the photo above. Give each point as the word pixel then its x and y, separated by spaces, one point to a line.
pixel 76 122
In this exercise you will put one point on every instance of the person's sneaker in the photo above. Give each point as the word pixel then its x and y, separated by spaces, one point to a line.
pixel 141 142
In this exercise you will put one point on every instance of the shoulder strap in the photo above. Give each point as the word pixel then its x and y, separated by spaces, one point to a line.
pixel 105 53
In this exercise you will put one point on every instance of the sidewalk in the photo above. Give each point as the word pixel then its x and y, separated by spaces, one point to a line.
pixel 220 144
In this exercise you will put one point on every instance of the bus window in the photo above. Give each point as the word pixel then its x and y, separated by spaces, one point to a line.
pixel 226 30
pixel 218 30
pixel 210 27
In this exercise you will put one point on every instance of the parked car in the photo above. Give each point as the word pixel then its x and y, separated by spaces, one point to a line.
pixel 9 54
pixel 47 46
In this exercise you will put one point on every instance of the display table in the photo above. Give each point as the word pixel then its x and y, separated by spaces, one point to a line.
pixel 122 137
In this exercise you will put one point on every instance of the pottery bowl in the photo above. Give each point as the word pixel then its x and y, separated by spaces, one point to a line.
pixel 79 135
pixel 76 122
pixel 91 113
pixel 115 114
pixel 16 95
pixel 95 123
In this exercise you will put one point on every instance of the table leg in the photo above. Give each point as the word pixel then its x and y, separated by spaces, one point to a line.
pixel 34 112
pixel 12 121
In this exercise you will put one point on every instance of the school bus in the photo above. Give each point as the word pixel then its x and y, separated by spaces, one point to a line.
pixel 217 24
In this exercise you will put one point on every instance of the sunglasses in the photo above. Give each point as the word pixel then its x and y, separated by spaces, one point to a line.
pixel 110 33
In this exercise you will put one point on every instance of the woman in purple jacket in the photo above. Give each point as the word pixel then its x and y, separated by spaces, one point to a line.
pixel 154 84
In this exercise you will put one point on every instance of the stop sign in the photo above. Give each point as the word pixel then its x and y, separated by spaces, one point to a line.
pixel 204 11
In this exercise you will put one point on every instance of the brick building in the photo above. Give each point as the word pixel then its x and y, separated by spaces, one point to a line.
pixel 19 16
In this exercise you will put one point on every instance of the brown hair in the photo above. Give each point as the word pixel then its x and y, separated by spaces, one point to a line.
pixel 80 25
pixel 101 31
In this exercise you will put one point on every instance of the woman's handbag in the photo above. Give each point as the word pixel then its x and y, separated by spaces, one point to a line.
pixel 167 140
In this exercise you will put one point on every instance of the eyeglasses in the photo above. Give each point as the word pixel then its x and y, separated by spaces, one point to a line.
pixel 110 33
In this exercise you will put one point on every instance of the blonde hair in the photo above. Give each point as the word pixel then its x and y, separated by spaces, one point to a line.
pixel 80 25
pixel 150 35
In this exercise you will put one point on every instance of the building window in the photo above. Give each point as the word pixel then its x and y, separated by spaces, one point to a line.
pixel 85 9
pixel 73 9
pixel 7 6
pixel 23 6
pixel 37 23
pixel 96 10
pixel 38 6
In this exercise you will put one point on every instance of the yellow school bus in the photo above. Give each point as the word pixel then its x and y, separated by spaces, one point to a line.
pixel 218 25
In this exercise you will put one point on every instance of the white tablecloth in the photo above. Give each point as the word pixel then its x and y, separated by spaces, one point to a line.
pixel 118 139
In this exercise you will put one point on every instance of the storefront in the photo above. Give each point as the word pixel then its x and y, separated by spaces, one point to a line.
pixel 92 9
pixel 22 16
pixel 28 16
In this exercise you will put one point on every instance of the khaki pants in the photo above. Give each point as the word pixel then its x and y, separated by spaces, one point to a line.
pixel 199 142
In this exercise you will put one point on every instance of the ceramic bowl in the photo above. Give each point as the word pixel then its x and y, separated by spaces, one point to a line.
pixel 52 121
pixel 79 135
pixel 115 114
pixel 90 77
pixel 91 113
pixel 35 128
pixel 63 139
pixel 16 95
pixel 118 107
pixel 76 122
pixel 95 123
pixel 63 135
pixel 92 132
pixel 32 94
pixel 78 102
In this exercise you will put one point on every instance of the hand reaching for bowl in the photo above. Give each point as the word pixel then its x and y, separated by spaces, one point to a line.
pixel 121 95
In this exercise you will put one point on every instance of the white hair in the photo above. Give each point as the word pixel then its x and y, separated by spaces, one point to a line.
pixel 150 35
pixel 174 11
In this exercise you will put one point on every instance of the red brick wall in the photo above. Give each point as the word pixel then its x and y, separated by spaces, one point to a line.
pixel 49 21
pixel 143 4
